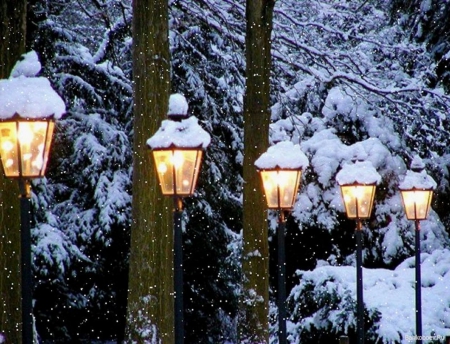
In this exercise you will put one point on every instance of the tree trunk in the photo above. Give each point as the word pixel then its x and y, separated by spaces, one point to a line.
pixel 150 300
pixel 12 46
pixel 255 309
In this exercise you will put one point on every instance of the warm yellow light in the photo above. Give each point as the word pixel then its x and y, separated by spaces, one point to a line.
pixel 162 168
pixel 24 147
pixel 358 200
pixel 416 203
pixel 25 133
pixel 177 170
pixel 280 187
pixel 177 159
pixel 7 146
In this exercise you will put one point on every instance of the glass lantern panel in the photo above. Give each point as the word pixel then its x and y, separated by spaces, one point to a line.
pixel 164 169
pixel 187 166
pixel 32 136
pixel 417 203
pixel 358 200
pixel 288 185
pixel 8 148
pixel 48 143
pixel 280 187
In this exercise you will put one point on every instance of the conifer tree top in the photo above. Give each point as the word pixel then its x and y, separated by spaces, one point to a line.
pixel 29 96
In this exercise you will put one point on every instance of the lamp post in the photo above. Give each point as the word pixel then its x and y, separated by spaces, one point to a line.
pixel 177 149
pixel 28 109
pixel 357 182
pixel 417 192
pixel 281 169
pixel 24 149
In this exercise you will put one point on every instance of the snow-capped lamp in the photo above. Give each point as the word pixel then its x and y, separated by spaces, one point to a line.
pixel 281 170
pixel 417 191
pixel 28 109
pixel 177 149
pixel 358 182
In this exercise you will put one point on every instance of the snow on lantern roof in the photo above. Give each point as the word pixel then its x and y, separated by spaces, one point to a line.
pixel 178 106
pixel 28 96
pixel 417 177
pixel 361 172
pixel 28 66
pixel 284 154
pixel 186 133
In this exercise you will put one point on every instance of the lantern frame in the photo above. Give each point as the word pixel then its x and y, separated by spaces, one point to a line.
pixel 353 208
pixel 28 155
pixel 282 195
pixel 173 180
pixel 416 203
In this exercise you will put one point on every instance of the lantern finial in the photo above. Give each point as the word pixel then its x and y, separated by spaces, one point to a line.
pixel 178 107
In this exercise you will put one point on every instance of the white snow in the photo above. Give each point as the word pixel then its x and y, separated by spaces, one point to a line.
pixel 184 134
pixel 29 66
pixel 417 180
pixel 392 293
pixel 29 97
pixel 284 154
pixel 177 104
pixel 359 172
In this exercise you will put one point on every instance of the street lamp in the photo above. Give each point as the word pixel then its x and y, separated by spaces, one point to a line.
pixel 177 150
pixel 358 182
pixel 281 170
pixel 417 192
pixel 28 109
pixel 24 148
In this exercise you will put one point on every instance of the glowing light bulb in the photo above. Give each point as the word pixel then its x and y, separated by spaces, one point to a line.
pixel 162 168
pixel 7 146
pixel 25 134
pixel 9 162
pixel 177 159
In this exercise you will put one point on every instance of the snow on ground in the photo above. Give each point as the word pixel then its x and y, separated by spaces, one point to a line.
pixel 392 293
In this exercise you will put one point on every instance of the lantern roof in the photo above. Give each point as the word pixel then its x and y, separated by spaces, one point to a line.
pixel 29 96
pixel 417 177
pixel 186 133
pixel 359 172
pixel 284 155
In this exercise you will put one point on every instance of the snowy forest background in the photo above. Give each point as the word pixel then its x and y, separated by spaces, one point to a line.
pixel 367 76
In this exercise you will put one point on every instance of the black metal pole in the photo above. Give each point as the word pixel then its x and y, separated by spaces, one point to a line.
pixel 281 280
pixel 25 235
pixel 178 273
pixel 359 283
pixel 418 287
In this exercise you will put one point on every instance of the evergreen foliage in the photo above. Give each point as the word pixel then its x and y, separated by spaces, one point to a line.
pixel 346 76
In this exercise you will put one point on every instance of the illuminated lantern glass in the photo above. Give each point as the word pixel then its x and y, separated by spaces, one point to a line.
pixel 358 200
pixel 177 170
pixel 25 146
pixel 280 187
pixel 416 203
